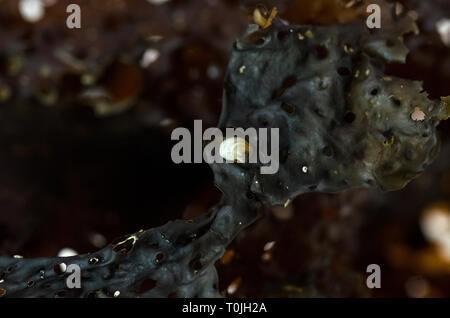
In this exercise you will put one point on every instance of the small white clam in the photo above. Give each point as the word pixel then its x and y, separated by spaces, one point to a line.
pixel 234 149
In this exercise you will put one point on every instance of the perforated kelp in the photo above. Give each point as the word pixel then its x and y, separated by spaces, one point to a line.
pixel 343 124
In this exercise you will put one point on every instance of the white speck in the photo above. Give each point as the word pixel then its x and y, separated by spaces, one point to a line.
pixel 150 56
pixel 155 38
pixel 443 28
pixel 305 169
pixel 18 256
pixel 232 288
pixel 418 114
pixel 213 72
pixel 242 69
pixel 31 10
pixel 268 246
pixel 116 293
pixel 234 149
pixel 399 8
pixel 67 252
pixel 288 201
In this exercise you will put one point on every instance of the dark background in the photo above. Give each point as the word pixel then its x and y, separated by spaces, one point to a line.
pixel 74 176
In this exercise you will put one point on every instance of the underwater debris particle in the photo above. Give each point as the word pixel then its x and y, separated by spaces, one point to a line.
pixel 87 79
pixel 234 149
pixel 350 3
pixel 435 225
pixel 97 240
pixel 149 57
pixel 232 288
pixel 305 169
pixel 443 28
pixel 418 114
pixel 264 20
pixel 269 246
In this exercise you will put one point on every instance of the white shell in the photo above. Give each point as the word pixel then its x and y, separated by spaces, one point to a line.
pixel 31 10
pixel 67 252
pixel 234 149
